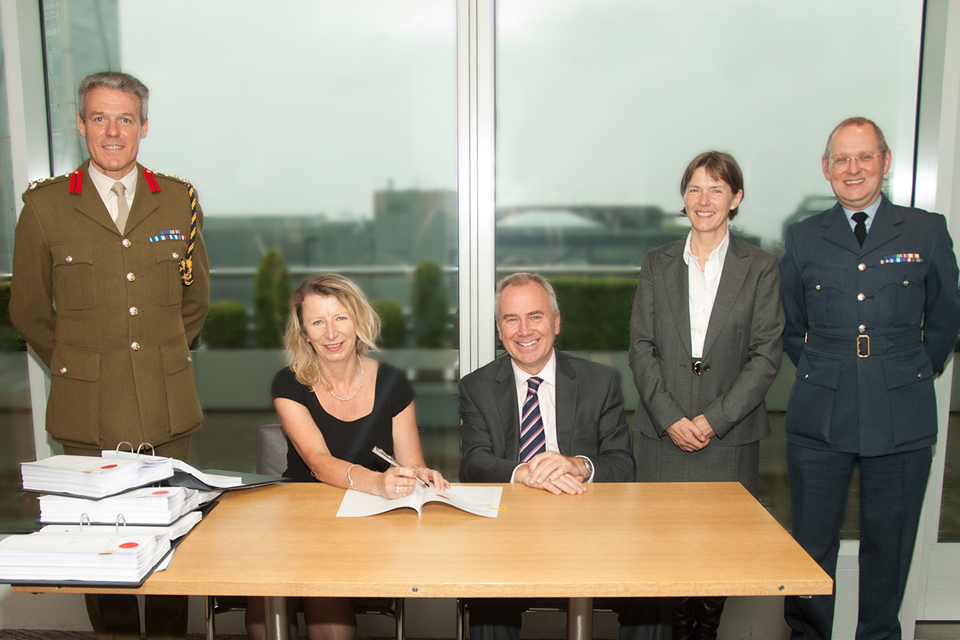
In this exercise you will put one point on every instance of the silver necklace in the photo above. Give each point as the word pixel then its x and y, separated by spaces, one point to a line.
pixel 358 388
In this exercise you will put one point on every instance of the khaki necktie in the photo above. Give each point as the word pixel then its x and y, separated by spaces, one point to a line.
pixel 123 209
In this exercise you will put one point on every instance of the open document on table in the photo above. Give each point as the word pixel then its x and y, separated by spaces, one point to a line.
pixel 481 501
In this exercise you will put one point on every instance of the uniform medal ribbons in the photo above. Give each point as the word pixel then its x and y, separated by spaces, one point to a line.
pixel 901 257
pixel 172 234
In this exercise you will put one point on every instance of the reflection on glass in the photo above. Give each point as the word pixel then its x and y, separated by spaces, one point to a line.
pixel 950 505
pixel 8 210
pixel 321 136
pixel 17 513
pixel 81 38
pixel 600 109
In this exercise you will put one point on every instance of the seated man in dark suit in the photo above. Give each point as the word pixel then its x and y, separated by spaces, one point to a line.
pixel 549 421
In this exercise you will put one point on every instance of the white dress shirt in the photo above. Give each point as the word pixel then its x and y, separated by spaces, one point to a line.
pixel 703 285
pixel 547 396
pixel 104 184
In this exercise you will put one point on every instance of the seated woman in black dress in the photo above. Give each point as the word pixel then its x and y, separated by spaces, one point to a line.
pixel 335 405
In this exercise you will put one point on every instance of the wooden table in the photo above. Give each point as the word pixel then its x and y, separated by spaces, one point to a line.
pixel 631 539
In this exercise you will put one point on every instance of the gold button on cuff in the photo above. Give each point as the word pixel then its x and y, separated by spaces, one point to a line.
pixel 131 277
pixel 861 297
pixel 862 267
pixel 135 346
pixel 68 259
pixel 126 242
pixel 134 311
pixel 63 370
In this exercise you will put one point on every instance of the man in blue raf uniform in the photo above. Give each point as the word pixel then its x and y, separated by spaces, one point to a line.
pixel 872 311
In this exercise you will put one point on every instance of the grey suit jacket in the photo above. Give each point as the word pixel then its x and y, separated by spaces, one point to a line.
pixel 741 354
pixel 590 421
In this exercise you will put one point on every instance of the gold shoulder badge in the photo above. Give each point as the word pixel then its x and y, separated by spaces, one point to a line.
pixel 171 177
pixel 43 182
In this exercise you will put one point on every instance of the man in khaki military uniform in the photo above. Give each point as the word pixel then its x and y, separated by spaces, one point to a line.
pixel 110 286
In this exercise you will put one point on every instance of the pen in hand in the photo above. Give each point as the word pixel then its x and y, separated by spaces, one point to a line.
pixel 393 463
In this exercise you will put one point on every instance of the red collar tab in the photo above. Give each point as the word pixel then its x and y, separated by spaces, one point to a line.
pixel 76 182
pixel 151 181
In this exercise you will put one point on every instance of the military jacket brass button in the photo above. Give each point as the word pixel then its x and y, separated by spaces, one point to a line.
pixel 135 346
pixel 126 242
pixel 63 370
pixel 861 297
pixel 817 287
pixel 862 267
pixel 68 259
pixel 906 283
pixel 176 256
pixel 862 328
pixel 134 311
pixel 131 277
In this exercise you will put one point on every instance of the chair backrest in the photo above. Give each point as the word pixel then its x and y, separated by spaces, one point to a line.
pixel 271 450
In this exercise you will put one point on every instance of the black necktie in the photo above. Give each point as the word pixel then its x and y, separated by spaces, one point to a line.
pixel 861 229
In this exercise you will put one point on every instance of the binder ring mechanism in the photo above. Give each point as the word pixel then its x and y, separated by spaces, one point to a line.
pixel 85 521
pixel 142 447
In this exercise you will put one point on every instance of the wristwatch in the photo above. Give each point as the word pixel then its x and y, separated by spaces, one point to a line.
pixel 589 465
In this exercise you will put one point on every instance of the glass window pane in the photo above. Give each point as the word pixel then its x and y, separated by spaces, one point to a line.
pixel 80 38
pixel 16 513
pixel 601 106
pixel 326 131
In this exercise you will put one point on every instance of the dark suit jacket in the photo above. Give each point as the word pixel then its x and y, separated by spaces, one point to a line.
pixel 835 291
pixel 590 420
pixel 82 294
pixel 741 354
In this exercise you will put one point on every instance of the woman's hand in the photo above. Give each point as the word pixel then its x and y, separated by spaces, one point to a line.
pixel 397 482
pixel 432 477
pixel 687 435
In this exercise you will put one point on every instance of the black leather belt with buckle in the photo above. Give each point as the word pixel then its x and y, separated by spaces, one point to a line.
pixel 863 346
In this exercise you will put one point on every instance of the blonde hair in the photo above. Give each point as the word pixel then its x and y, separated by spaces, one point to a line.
pixel 301 358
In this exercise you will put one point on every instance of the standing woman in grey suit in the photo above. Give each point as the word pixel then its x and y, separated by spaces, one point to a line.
pixel 705 344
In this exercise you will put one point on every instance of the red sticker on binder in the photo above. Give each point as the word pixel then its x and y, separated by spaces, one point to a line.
pixel 129 545
pixel 160 493
pixel 108 466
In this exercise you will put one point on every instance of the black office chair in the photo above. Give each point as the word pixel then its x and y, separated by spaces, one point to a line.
pixel 272 461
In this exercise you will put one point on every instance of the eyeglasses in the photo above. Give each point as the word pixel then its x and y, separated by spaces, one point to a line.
pixel 862 159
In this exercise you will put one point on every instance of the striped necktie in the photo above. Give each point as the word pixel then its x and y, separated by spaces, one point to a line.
pixel 532 438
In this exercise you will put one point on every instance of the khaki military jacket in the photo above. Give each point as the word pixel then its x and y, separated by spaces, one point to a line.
pixel 108 313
